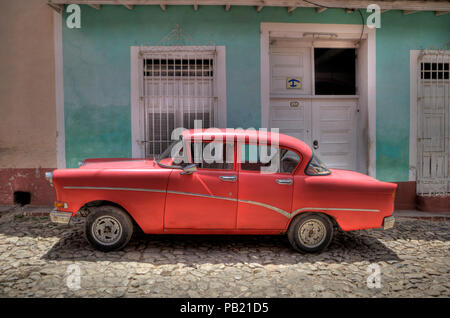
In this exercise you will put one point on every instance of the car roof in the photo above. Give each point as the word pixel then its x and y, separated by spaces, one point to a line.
pixel 249 135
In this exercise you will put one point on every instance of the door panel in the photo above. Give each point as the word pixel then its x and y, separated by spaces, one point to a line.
pixel 268 200
pixel 290 62
pixel 433 102
pixel 292 117
pixel 264 199
pixel 334 129
pixel 288 110
pixel 201 200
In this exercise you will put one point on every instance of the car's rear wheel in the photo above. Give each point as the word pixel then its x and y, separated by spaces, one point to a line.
pixel 310 232
pixel 108 228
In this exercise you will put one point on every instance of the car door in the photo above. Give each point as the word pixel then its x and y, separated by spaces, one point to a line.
pixel 265 198
pixel 207 198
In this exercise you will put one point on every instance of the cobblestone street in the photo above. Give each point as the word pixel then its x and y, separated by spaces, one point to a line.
pixel 36 257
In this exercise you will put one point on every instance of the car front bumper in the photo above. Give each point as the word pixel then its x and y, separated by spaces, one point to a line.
pixel 388 222
pixel 60 217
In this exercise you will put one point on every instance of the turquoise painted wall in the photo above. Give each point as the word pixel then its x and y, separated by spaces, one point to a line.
pixel 96 61
pixel 397 36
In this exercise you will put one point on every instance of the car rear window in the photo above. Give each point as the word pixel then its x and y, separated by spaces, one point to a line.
pixel 270 159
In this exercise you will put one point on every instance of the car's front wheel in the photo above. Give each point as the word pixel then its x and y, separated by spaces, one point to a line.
pixel 310 232
pixel 108 228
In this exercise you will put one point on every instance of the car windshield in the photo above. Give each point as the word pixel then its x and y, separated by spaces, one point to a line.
pixel 316 167
pixel 172 157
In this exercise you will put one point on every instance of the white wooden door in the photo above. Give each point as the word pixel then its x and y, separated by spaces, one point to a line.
pixel 334 131
pixel 290 112
pixel 327 123
pixel 433 173
pixel 294 62
pixel 292 117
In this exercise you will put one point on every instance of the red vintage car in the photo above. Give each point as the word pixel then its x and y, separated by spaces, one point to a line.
pixel 222 182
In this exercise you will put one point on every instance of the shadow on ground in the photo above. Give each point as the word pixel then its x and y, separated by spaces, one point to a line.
pixel 346 247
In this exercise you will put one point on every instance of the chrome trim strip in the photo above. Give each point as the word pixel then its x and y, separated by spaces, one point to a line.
pixel 282 212
pixel 267 206
pixel 114 188
pixel 202 195
pixel 333 209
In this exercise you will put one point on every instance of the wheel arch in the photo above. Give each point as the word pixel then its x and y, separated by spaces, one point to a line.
pixel 303 213
pixel 85 209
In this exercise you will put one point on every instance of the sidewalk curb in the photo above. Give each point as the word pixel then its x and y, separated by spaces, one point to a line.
pixel 26 210
pixel 420 215
pixel 36 210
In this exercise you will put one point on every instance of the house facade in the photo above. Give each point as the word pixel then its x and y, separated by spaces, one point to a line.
pixel 27 102
pixel 369 98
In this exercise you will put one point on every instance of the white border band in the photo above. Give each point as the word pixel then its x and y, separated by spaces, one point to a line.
pixel 59 92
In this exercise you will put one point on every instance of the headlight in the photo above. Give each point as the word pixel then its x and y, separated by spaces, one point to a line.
pixel 49 177
pixel 80 163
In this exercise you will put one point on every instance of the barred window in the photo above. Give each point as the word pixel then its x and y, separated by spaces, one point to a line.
pixel 434 71
pixel 178 67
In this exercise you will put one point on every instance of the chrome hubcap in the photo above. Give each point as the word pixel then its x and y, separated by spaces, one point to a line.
pixel 312 233
pixel 107 230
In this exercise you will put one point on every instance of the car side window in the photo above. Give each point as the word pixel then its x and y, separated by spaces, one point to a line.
pixel 213 155
pixel 289 161
pixel 269 159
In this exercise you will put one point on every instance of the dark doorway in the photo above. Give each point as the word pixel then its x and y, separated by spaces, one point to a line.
pixel 334 71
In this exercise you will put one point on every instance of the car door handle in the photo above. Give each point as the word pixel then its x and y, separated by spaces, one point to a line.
pixel 284 181
pixel 228 178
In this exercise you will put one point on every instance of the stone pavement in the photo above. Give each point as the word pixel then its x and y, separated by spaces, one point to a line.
pixel 41 259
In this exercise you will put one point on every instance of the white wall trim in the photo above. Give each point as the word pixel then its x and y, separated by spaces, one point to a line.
pixel 137 115
pixel 345 32
pixel 137 131
pixel 221 86
pixel 59 92
pixel 372 102
pixel 413 58
pixel 265 76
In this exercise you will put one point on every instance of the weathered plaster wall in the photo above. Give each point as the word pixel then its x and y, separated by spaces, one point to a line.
pixel 27 100
pixel 97 70
pixel 97 66
pixel 397 36
pixel 27 87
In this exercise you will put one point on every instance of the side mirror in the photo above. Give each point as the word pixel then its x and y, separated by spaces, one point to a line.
pixel 189 169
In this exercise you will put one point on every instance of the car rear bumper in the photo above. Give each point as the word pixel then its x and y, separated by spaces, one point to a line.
pixel 388 222
pixel 60 217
